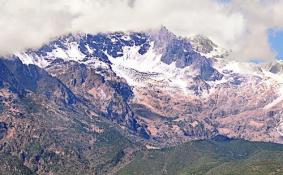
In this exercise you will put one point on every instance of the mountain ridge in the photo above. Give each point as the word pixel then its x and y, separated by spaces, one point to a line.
pixel 125 92
pixel 150 61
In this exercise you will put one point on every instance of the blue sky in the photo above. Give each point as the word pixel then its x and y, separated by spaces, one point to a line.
pixel 276 42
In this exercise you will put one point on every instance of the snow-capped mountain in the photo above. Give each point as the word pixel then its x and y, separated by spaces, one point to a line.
pixel 161 54
pixel 181 88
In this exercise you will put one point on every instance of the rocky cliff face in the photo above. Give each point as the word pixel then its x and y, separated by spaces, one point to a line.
pixel 21 79
pixel 154 86
pixel 108 94
pixel 48 126
pixel 164 86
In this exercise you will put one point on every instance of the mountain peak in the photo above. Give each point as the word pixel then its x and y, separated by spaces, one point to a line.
pixel 162 34
pixel 202 44
pixel 165 31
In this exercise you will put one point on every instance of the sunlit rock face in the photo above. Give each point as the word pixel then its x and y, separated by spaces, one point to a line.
pixel 158 86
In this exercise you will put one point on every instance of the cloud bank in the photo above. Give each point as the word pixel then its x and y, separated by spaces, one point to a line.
pixel 239 25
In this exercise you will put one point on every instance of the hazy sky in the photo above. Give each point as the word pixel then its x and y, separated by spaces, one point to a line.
pixel 240 25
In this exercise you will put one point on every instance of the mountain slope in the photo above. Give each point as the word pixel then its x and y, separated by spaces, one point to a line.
pixel 86 103
pixel 42 128
pixel 187 82
pixel 209 157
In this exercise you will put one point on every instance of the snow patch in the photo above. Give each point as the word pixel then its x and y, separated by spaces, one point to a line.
pixel 280 129
pixel 150 65
pixel 273 80
pixel 71 53
pixel 32 59
pixel 241 68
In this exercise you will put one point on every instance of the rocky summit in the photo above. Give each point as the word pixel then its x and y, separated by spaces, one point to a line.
pixel 87 103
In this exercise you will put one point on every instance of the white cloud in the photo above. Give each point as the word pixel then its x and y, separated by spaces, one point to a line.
pixel 239 25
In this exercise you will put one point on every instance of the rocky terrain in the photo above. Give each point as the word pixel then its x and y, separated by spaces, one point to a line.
pixel 86 103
